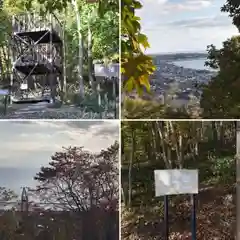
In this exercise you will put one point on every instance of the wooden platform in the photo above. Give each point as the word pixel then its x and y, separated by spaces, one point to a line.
pixel 36 35
pixel 40 69
pixel 30 100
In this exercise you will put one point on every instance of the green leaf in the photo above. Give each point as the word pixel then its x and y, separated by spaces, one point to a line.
pixel 129 84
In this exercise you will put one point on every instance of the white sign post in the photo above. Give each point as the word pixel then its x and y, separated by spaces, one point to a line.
pixel 175 182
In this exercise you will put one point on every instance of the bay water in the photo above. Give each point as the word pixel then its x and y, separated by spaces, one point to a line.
pixel 197 63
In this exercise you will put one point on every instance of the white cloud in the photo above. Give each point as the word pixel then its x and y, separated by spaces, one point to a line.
pixel 26 146
pixel 219 20
pixel 167 7
pixel 187 39
pixel 189 5
pixel 32 144
pixel 186 25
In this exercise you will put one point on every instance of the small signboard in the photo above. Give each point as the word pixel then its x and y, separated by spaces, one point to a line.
pixel 4 92
pixel 111 70
pixel 24 86
pixel 175 181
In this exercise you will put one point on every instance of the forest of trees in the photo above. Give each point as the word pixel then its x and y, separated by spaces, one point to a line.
pixel 78 190
pixel 88 40
pixel 209 147
pixel 220 97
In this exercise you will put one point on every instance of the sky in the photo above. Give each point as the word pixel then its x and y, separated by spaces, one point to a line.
pixel 184 25
pixel 26 146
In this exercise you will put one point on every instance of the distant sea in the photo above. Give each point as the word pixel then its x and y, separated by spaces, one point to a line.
pixel 16 178
pixel 197 63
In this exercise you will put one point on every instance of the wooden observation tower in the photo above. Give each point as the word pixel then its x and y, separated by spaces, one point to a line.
pixel 37 54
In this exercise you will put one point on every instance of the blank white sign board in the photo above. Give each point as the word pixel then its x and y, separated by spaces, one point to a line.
pixel 4 92
pixel 111 70
pixel 23 86
pixel 175 181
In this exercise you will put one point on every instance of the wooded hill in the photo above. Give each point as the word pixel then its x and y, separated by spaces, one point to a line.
pixel 209 147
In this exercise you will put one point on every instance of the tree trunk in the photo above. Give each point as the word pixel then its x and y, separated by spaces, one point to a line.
pixel 80 50
pixel 167 161
pixel 123 196
pixel 178 144
pixel 214 131
pixel 90 60
pixel 222 140
pixel 152 153
pixel 130 169
pixel 64 77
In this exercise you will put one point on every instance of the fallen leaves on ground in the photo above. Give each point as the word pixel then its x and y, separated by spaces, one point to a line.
pixel 216 218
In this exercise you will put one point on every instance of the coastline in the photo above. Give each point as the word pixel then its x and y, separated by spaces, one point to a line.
pixel 176 85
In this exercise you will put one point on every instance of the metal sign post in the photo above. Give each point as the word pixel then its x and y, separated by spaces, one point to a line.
pixel 175 182
pixel 194 227
pixel 166 220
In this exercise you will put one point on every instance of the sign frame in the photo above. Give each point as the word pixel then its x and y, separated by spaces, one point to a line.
pixel 192 191
pixel 175 182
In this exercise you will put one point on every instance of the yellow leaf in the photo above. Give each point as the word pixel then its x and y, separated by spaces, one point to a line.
pixel 144 80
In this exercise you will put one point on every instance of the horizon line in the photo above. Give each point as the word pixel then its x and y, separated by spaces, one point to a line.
pixel 182 52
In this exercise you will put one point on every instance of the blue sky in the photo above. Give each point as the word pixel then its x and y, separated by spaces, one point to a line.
pixel 184 25
pixel 26 146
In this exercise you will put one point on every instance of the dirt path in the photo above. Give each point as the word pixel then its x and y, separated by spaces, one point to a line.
pixel 43 110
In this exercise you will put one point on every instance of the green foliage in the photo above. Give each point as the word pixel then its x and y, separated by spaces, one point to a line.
pixel 220 98
pixel 7 194
pixel 5 29
pixel 143 109
pixel 146 146
pixel 224 169
pixel 233 7
pixel 203 145
pixel 105 43
pixel 60 5
pixel 79 179
pixel 140 109
pixel 136 66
